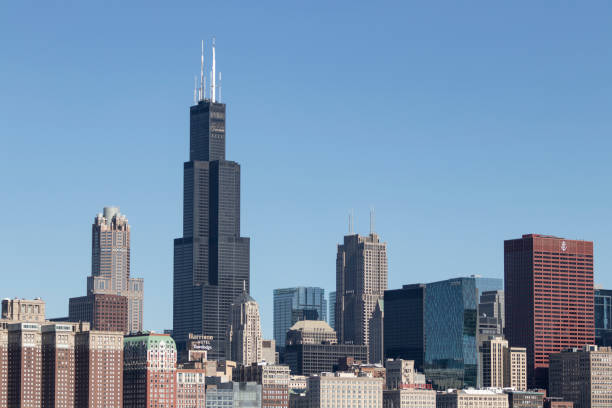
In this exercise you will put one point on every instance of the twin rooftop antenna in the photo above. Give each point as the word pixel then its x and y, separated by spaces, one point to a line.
pixel 352 219
pixel 199 93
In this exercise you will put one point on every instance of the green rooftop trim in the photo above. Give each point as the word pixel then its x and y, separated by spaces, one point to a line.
pixel 151 340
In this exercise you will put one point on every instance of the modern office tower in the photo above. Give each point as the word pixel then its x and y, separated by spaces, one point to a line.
pixel 24 365
pixel 311 332
pixel 233 395
pixel 472 398
pixel 603 317
pixel 451 327
pixel 274 380
pixel 268 351
pixel 293 304
pixel 58 366
pixel 344 390
pixel 376 348
pixel 114 299
pixel 399 373
pixel 149 370
pixel 23 310
pixel 409 398
pixel 491 320
pixel 98 368
pixel 3 366
pixel 190 385
pixel 105 312
pixel 525 399
pixel 332 309
pixel 549 298
pixel 492 353
pixel 582 375
pixel 404 325
pixel 361 280
pixel 211 260
pixel 515 368
pixel 244 331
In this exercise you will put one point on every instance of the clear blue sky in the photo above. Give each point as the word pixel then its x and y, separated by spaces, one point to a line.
pixel 462 123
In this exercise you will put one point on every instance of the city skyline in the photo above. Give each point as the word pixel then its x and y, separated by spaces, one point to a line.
pixel 289 181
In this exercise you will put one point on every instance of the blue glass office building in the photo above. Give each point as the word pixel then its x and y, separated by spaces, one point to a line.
pixel 294 304
pixel 603 317
pixel 451 327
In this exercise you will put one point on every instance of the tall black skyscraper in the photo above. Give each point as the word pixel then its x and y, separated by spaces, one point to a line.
pixel 211 260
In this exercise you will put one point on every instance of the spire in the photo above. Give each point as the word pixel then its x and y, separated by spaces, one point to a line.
pixel 351 227
pixel 219 86
pixel 213 73
pixel 202 74
pixel 372 218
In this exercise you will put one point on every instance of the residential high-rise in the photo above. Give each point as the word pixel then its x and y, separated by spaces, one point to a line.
pixel 361 280
pixel 404 325
pixel 603 317
pixel 331 303
pixel 582 375
pixel 376 332
pixel 24 365
pixel 293 304
pixel 211 260
pixel 149 370
pixel 515 368
pixel 244 331
pixel 114 299
pixel 58 366
pixel 451 327
pixel 492 352
pixel 549 298
pixel 98 368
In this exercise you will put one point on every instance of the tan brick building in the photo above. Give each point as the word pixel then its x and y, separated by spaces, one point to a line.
pixel 515 368
pixel 344 390
pixel 472 398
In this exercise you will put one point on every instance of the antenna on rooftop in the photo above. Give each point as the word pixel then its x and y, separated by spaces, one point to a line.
pixel 219 86
pixel 351 226
pixel 213 73
pixel 195 89
pixel 372 219
pixel 202 74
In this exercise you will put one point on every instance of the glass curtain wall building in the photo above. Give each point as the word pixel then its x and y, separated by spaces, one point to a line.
pixel 603 317
pixel 295 304
pixel 451 328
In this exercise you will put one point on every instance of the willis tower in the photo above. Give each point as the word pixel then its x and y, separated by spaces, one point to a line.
pixel 211 260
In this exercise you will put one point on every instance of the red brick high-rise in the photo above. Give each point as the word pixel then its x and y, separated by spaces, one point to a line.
pixel 549 298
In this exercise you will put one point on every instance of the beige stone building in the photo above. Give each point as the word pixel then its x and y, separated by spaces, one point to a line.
pixel 399 372
pixel 311 332
pixel 472 399
pixel 492 353
pixel 361 280
pixel 244 331
pixel 515 368
pixel 409 398
pixel 333 390
pixel 23 310
pixel 583 376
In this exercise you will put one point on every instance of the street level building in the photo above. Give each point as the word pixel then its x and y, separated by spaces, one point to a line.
pixel 149 371
pixel 361 280
pixel 274 380
pixel 233 395
pixel 583 376
pixel 525 399
pixel 409 398
pixel 472 398
pixel 211 259
pixel 548 298
pixel 294 304
pixel 344 390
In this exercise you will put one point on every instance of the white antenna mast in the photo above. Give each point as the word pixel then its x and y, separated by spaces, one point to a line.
pixel 195 89
pixel 219 86
pixel 202 74
pixel 371 220
pixel 351 216
pixel 213 73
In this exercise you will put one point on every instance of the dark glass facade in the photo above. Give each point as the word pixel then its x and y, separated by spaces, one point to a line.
pixel 294 304
pixel 211 260
pixel 603 317
pixel 310 359
pixel 451 327
pixel 404 331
